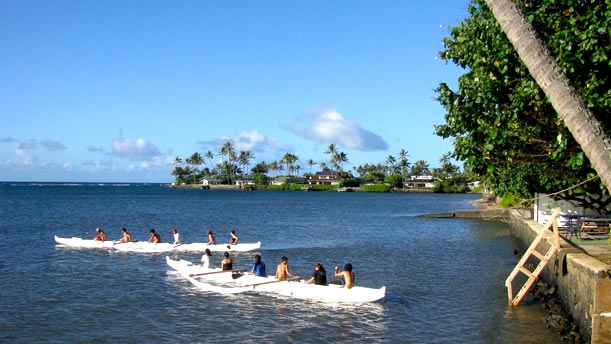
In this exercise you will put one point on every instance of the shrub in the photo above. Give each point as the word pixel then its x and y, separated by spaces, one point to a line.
pixel 375 187
pixel 508 201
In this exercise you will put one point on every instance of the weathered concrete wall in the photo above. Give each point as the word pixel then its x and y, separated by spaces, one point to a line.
pixel 582 281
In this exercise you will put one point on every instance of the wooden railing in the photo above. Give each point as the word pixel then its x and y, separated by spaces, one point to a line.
pixel 533 275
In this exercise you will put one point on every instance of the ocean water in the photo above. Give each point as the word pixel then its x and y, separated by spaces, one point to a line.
pixel 444 277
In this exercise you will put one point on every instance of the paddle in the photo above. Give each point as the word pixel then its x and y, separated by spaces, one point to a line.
pixel 262 283
pixel 214 272
pixel 121 242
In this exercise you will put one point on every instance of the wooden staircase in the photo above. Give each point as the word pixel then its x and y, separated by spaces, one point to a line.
pixel 532 276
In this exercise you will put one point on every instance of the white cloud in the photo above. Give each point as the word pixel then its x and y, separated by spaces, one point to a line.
pixel 326 125
pixel 139 149
pixel 247 140
pixel 24 150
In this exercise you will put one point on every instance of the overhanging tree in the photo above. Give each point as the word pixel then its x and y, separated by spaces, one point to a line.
pixel 504 126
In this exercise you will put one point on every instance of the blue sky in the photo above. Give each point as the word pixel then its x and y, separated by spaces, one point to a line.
pixel 113 91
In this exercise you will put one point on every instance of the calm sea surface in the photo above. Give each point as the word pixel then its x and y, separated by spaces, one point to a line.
pixel 444 277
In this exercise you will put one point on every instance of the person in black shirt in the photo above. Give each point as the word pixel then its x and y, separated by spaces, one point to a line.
pixel 319 277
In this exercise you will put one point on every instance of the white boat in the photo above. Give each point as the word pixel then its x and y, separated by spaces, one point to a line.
pixel 84 243
pixel 143 246
pixel 229 282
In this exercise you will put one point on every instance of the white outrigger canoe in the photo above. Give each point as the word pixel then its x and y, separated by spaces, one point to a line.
pixel 146 247
pixel 234 282
pixel 84 243
pixel 143 246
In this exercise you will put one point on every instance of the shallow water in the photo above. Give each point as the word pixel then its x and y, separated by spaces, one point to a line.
pixel 444 277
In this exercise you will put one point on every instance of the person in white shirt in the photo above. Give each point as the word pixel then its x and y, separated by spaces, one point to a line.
pixel 205 261
pixel 176 236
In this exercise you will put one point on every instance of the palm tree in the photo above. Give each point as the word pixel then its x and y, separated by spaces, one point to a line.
pixel 196 159
pixel 420 168
pixel 232 157
pixel 226 150
pixel 177 161
pixel 390 163
pixel 403 164
pixel 209 155
pixel 273 166
pixel 288 159
pixel 571 108
pixel 342 158
pixel 446 167
pixel 332 151
pixel 244 159
pixel 311 163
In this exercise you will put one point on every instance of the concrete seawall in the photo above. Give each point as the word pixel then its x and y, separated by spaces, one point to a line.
pixel 580 274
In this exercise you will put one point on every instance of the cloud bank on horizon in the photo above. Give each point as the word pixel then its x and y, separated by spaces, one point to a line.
pixel 326 125
pixel 323 125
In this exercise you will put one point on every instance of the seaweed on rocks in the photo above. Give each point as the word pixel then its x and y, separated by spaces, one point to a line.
pixel 557 318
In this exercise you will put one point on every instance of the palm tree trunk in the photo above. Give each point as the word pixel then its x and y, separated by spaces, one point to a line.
pixel 571 108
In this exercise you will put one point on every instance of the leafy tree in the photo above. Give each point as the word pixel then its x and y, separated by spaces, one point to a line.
pixel 504 126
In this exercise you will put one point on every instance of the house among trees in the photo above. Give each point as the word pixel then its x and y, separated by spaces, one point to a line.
pixel 287 180
pixel 420 182
pixel 327 178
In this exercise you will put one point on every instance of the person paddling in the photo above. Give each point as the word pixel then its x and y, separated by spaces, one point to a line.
pixel 211 238
pixel 155 238
pixel 176 236
pixel 347 275
pixel 226 263
pixel 282 270
pixel 101 235
pixel 126 236
pixel 258 269
pixel 234 238
pixel 319 277
pixel 205 261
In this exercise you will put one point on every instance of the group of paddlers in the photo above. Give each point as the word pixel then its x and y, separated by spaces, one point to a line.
pixel 319 277
pixel 156 238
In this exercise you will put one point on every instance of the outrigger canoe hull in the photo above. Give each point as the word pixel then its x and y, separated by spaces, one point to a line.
pixel 146 247
pixel 214 280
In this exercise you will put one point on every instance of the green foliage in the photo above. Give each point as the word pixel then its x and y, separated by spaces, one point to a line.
pixel 349 182
pixel 375 187
pixel 449 186
pixel 508 201
pixel 260 178
pixel 395 180
pixel 321 187
pixel 504 127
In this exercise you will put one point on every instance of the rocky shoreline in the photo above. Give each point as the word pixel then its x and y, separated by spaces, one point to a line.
pixel 557 318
